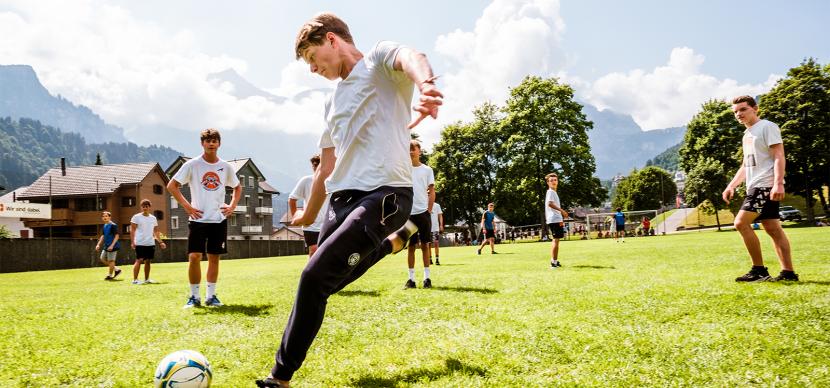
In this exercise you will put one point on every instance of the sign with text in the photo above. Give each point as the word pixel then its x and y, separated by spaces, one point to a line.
pixel 25 210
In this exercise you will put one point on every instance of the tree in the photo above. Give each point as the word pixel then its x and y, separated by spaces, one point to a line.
pixel 800 105
pixel 713 132
pixel 5 233
pixel 465 166
pixel 705 183
pixel 649 188
pixel 544 131
pixel 98 161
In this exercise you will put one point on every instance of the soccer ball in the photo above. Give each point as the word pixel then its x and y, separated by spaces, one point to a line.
pixel 183 369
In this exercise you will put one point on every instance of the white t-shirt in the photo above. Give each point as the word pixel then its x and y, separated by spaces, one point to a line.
pixel 758 161
pixel 552 215
pixel 436 210
pixel 207 186
pixel 144 229
pixel 422 178
pixel 366 122
pixel 303 192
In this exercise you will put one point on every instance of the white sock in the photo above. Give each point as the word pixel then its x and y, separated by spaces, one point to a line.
pixel 194 290
pixel 211 290
pixel 426 273
pixel 412 274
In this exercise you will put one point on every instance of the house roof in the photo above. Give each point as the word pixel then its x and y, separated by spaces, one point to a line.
pixel 291 229
pixel 90 180
pixel 11 194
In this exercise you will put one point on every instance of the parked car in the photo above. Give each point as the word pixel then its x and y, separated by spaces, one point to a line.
pixel 789 213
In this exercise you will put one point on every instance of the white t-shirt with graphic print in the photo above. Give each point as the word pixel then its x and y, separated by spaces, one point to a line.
pixel 303 192
pixel 366 122
pixel 758 161
pixel 144 229
pixel 422 178
pixel 207 183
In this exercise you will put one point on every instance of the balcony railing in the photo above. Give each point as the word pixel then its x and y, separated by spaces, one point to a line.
pixel 252 229
pixel 240 209
pixel 264 210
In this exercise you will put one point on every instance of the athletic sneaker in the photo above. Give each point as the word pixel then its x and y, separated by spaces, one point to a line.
pixel 494 253
pixel 136 281
pixel 437 262
pixel 213 302
pixel 427 283
pixel 193 301
pixel 149 281
pixel 268 382
pixel 479 251
pixel 430 262
pixel 755 275
pixel 117 272
pixel 409 284
pixel 786 276
pixel 558 263
pixel 108 277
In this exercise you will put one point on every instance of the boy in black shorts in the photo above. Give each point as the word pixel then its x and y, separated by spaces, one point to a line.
pixel 763 171
pixel 555 217
pixel 423 196
pixel 207 175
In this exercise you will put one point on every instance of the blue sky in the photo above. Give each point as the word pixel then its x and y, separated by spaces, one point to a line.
pixel 145 63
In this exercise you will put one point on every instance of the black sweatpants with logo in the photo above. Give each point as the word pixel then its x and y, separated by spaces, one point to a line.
pixel 352 240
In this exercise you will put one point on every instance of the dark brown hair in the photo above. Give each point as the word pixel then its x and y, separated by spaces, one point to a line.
pixel 146 202
pixel 747 99
pixel 315 160
pixel 210 134
pixel 313 32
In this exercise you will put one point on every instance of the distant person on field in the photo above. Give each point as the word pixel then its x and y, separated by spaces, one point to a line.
pixel 207 176
pixel 437 228
pixel 488 227
pixel 555 217
pixel 109 245
pixel 646 226
pixel 423 188
pixel 763 171
pixel 302 191
pixel 144 232
pixel 619 220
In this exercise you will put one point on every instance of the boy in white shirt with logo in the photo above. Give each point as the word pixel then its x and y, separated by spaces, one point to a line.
pixel 207 176
pixel 144 232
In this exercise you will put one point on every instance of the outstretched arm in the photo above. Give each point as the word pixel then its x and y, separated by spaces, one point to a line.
pixel 416 67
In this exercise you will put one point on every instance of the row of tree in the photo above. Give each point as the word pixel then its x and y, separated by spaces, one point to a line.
pixel 503 155
pixel 800 105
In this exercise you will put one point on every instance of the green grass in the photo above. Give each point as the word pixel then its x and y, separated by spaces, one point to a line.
pixel 661 217
pixel 697 219
pixel 657 311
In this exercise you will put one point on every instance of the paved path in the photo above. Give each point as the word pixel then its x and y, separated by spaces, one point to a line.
pixel 673 221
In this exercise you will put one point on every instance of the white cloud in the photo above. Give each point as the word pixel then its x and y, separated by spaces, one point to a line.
pixel 134 73
pixel 667 96
pixel 511 39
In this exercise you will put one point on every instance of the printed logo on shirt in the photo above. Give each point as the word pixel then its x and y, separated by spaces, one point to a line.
pixel 211 182
pixel 749 160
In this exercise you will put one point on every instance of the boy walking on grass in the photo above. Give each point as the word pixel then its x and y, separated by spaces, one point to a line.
pixel 423 196
pixel 763 171
pixel 364 165
pixel 555 217
pixel 488 229
pixel 207 175
pixel 109 245
pixel 144 232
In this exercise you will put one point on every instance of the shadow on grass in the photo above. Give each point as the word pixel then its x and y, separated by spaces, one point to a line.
pixel 593 266
pixel 802 282
pixel 448 265
pixel 254 310
pixel 358 293
pixel 467 289
pixel 451 367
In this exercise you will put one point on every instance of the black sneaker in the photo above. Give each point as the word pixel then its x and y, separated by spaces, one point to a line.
pixel 552 265
pixel 409 284
pixel 117 272
pixel 108 277
pixel 755 275
pixel 558 263
pixel 479 251
pixel 430 262
pixel 494 253
pixel 437 262
pixel 786 276
pixel 427 283
pixel 268 382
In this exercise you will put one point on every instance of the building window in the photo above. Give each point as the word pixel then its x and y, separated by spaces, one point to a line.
pixel 251 181
pixel 127 201
pixel 173 203
pixel 85 204
pixel 247 200
pixel 260 201
pixel 159 214
pixel 60 203
pixel 125 229
pixel 242 180
pixel 233 219
pixel 174 222
pixel 157 189
pixel 89 230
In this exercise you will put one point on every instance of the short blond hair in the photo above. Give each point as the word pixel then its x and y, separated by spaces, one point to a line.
pixel 314 31
pixel 210 134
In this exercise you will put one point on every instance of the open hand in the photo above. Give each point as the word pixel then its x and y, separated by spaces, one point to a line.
pixel 429 101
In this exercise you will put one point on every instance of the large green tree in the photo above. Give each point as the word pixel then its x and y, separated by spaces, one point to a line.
pixel 646 189
pixel 714 133
pixel 706 182
pixel 543 131
pixel 465 164
pixel 800 104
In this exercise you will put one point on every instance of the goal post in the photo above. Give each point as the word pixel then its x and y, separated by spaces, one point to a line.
pixel 597 223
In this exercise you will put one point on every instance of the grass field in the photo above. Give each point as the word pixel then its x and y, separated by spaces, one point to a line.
pixel 657 311
pixel 697 218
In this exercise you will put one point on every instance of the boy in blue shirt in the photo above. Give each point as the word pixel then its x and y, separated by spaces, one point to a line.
pixel 489 228
pixel 619 219
pixel 109 242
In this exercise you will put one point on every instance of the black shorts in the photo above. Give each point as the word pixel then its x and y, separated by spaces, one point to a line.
pixel 489 233
pixel 145 252
pixel 620 228
pixel 424 223
pixel 758 201
pixel 310 237
pixel 207 237
pixel 557 229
